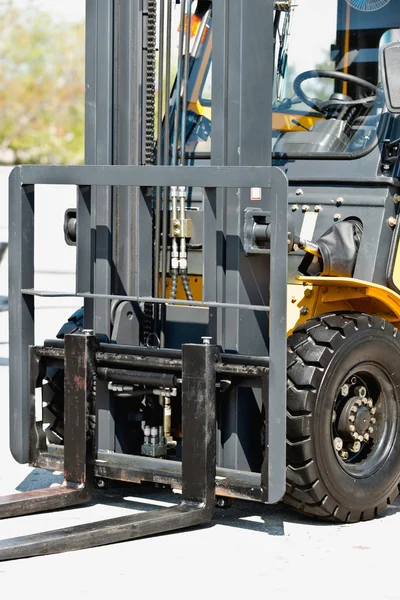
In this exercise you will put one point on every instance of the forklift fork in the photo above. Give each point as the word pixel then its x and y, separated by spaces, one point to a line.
pixel 198 460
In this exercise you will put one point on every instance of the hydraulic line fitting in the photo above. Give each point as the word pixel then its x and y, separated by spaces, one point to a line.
pixel 175 227
pixel 182 252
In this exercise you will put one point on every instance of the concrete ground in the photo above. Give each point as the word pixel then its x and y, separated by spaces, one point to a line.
pixel 249 550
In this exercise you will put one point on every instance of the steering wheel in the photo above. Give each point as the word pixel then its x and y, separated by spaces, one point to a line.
pixel 319 105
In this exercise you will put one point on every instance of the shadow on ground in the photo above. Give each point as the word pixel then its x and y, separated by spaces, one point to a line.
pixel 251 516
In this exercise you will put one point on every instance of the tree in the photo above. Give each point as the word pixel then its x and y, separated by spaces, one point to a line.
pixel 42 82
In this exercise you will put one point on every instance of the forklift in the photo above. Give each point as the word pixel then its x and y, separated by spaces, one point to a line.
pixel 237 238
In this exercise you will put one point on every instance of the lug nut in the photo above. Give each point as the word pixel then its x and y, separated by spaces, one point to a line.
pixel 338 442
pixel 360 438
pixel 354 435
pixel 352 418
pixel 354 409
pixel 359 402
pixel 373 410
pixel 370 403
pixel 370 430
pixel 361 391
pixel 353 380
pixel 352 428
pixel 356 447
pixel 373 420
pixel 366 437
pixel 345 390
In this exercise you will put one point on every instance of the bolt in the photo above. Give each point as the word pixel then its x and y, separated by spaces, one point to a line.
pixel 293 299
pixel 206 340
pixel 366 437
pixel 356 447
pixel 361 391
pixel 339 201
pixel 317 208
pixel 392 221
pixel 87 331
pixel 338 442
pixel 221 502
pixel 352 418
pixel 353 380
pixel 386 167
pixel 370 430
pixel 101 484
pixel 344 454
pixel 295 207
pixel 373 420
pixel 373 410
pixel 308 293
pixel 299 192
pixel 345 390
pixel 336 217
pixel 352 428
pixel 304 310
pixel 305 208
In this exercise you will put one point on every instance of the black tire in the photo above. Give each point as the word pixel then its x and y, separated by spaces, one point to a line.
pixel 53 406
pixel 325 354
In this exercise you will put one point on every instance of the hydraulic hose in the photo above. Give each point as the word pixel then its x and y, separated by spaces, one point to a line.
pixel 174 283
pixel 186 285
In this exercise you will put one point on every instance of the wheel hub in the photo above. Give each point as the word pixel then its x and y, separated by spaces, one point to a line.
pixel 353 418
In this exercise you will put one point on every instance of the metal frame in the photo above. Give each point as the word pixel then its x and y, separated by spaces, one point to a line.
pixel 198 462
pixel 79 448
pixel 245 318
pixel 22 181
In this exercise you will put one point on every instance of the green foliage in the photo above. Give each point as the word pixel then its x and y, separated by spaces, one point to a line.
pixel 42 82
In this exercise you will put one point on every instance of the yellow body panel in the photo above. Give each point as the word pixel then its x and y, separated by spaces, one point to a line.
pixel 319 295
pixel 396 269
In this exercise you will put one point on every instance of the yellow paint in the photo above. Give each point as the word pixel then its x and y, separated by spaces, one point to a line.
pixel 346 49
pixel 321 295
pixel 336 294
pixel 280 121
pixel 298 297
pixel 396 269
pixel 283 122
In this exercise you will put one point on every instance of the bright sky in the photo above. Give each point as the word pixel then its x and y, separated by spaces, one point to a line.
pixel 73 10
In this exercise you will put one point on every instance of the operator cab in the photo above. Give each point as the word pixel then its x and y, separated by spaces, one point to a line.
pixel 328 98
pixel 334 105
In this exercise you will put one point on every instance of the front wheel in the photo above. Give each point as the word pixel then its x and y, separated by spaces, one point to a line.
pixel 343 417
